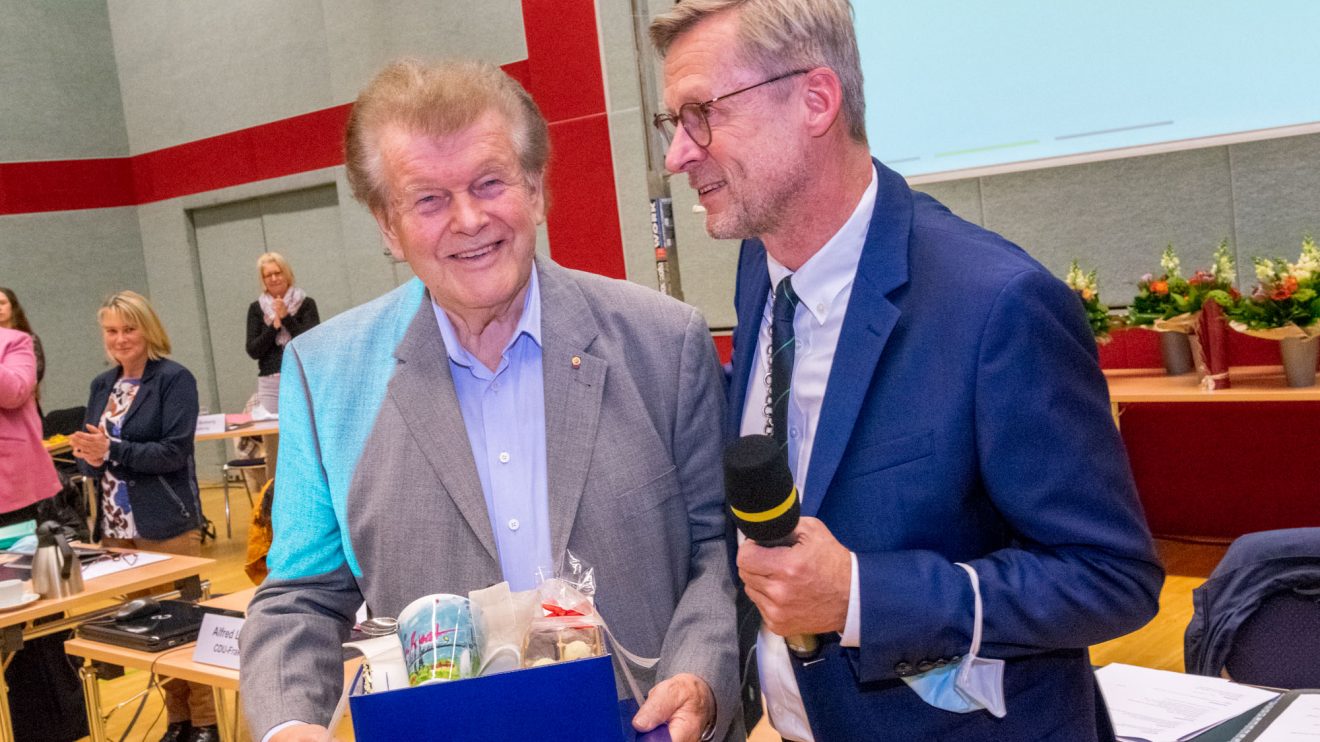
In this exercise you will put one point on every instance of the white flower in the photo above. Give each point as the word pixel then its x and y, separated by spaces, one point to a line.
pixel 1170 263
pixel 1309 263
pixel 1083 283
pixel 1264 269
pixel 1075 278
pixel 1222 269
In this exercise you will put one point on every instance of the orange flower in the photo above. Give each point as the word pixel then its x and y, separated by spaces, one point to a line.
pixel 1284 289
pixel 1159 287
pixel 1088 294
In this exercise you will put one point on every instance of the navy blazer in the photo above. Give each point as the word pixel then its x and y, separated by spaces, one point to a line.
pixel 154 453
pixel 965 419
pixel 1254 568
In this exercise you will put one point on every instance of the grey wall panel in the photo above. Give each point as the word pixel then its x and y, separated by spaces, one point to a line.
pixel 1276 195
pixel 1116 216
pixel 229 238
pixel 963 197
pixel 62 265
pixel 363 248
pixel 629 154
pixel 174 281
pixel 619 54
pixel 195 70
pixel 58 82
pixel 708 265
pixel 366 35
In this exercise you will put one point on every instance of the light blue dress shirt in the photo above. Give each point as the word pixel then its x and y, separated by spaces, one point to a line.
pixel 504 413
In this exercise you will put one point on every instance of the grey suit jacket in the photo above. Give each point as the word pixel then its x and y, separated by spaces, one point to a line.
pixel 378 498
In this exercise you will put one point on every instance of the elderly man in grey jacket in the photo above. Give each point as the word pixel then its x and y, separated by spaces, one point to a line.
pixel 479 422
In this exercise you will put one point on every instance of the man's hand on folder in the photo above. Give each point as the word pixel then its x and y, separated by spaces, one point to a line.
pixel 684 701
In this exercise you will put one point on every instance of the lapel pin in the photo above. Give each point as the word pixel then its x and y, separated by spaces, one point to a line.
pixel 577 361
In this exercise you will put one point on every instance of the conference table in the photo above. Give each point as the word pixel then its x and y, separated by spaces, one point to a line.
pixel 173 663
pixel 1249 384
pixel 100 594
pixel 176 662
pixel 268 430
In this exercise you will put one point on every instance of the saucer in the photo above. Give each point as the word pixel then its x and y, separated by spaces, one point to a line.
pixel 27 598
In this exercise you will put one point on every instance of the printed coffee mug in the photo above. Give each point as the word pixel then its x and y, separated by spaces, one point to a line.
pixel 438 643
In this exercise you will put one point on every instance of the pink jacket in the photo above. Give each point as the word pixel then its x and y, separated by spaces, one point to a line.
pixel 26 472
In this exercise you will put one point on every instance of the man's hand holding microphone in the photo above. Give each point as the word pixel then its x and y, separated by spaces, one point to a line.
pixel 794 570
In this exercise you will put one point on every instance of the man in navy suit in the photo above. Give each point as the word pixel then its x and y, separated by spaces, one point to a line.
pixel 947 423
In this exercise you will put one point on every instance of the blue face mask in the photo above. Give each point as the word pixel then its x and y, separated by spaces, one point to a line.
pixel 971 684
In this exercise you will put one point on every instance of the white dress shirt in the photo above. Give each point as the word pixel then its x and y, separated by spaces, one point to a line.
pixel 824 284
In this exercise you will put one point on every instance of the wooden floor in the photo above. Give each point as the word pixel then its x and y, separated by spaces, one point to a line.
pixel 1158 644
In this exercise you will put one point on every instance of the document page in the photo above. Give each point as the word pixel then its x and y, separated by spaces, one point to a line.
pixel 1299 721
pixel 119 561
pixel 1162 706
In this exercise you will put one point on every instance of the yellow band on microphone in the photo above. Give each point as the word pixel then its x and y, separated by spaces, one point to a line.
pixel 770 514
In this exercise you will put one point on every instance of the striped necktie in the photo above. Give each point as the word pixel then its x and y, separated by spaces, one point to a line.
pixel 781 359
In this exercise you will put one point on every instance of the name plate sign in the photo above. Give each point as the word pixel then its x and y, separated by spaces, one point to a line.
pixel 217 642
pixel 210 424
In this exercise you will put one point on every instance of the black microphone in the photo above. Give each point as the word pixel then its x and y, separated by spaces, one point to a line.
pixel 764 503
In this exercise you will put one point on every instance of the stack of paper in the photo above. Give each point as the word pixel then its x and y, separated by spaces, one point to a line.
pixel 1161 706
pixel 1299 720
pixel 260 414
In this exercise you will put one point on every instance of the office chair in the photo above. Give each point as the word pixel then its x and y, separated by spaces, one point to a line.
pixel 1258 616
pixel 62 422
pixel 242 466
pixel 78 492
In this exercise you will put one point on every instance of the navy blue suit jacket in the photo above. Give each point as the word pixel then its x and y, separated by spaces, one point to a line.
pixel 965 419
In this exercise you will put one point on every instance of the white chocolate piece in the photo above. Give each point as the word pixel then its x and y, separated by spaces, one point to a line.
pixel 576 650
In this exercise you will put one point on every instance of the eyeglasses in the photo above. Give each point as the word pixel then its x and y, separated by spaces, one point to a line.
pixel 692 116
pixel 130 558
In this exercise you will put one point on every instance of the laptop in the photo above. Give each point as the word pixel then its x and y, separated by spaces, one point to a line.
pixel 176 622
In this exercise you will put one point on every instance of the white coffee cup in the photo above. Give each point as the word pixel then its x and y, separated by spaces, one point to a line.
pixel 11 593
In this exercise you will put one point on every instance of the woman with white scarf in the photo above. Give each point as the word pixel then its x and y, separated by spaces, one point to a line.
pixel 280 314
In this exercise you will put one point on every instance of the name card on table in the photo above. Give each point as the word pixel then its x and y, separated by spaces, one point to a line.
pixel 207 424
pixel 217 641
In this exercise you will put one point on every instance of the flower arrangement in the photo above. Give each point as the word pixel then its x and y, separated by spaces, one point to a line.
pixel 1168 302
pixel 1216 283
pixel 1087 289
pixel 1285 299
pixel 1163 297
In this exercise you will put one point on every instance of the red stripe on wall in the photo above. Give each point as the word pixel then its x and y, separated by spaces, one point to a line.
pixel 59 185
pixel 564 76
pixel 563 56
pixel 584 210
pixel 294 145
